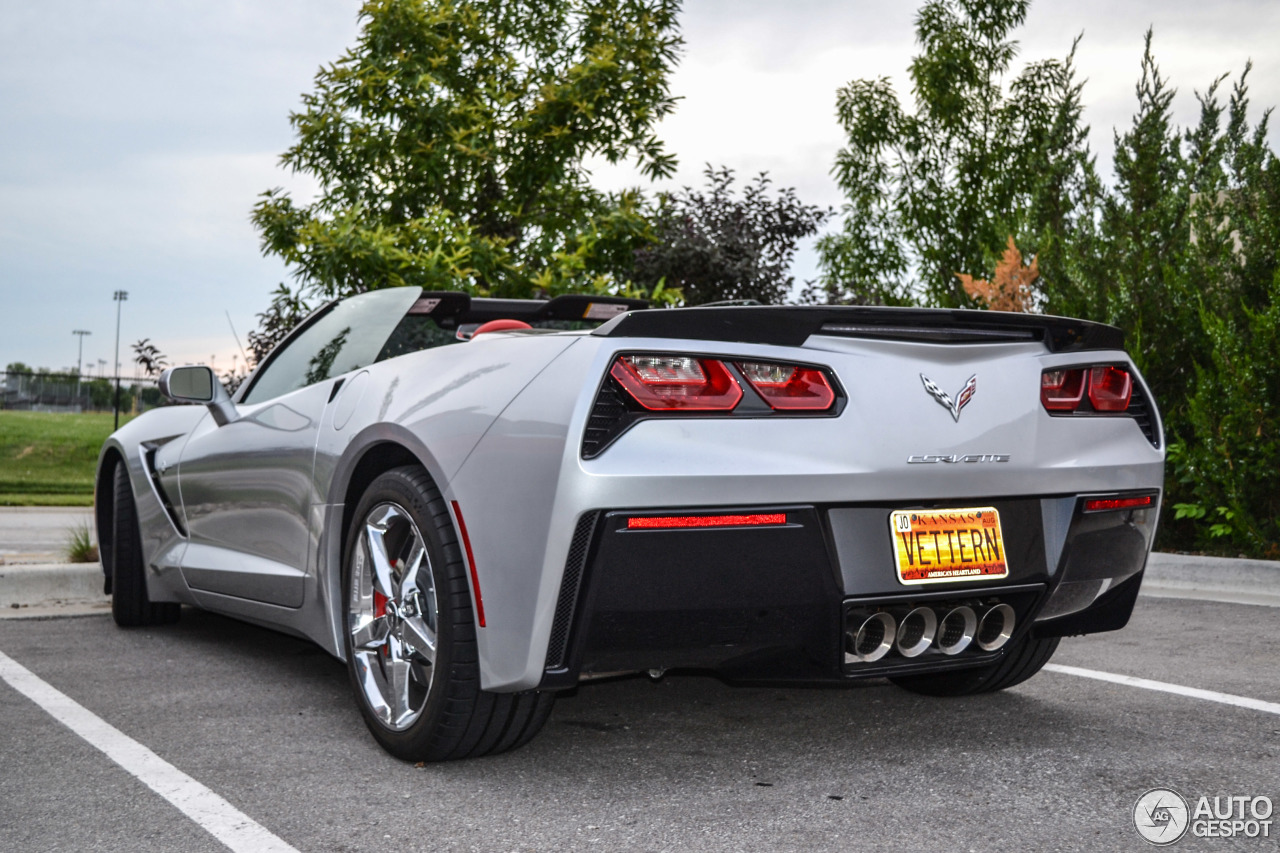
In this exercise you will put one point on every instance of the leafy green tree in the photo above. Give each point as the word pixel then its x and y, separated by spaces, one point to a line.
pixel 713 245
pixel 287 309
pixel 1221 370
pixel 938 191
pixel 449 147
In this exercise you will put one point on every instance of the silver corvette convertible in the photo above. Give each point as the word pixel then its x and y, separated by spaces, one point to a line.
pixel 476 503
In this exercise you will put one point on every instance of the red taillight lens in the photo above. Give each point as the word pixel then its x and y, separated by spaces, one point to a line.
pixel 1062 390
pixel 1109 504
pixel 669 522
pixel 787 387
pixel 667 382
pixel 1110 388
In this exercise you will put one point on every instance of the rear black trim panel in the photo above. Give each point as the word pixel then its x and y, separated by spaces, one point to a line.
pixel 788 325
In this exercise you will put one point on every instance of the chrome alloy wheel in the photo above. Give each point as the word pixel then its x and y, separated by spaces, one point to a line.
pixel 392 616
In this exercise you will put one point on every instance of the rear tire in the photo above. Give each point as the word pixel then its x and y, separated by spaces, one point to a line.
pixel 130 605
pixel 410 637
pixel 1023 660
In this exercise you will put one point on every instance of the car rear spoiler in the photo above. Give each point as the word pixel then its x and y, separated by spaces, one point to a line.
pixel 792 325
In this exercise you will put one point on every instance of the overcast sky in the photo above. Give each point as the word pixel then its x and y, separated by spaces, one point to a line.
pixel 138 133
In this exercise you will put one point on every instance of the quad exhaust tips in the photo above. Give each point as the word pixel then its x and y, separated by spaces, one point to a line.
pixel 916 633
pixel 956 630
pixel 873 639
pixel 923 628
pixel 995 628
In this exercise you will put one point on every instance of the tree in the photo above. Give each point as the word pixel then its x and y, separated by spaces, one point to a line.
pixel 937 191
pixel 449 147
pixel 714 246
pixel 287 309
pixel 1010 288
pixel 148 356
pixel 1220 299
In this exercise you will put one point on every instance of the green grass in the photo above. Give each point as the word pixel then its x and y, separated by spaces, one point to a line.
pixel 49 459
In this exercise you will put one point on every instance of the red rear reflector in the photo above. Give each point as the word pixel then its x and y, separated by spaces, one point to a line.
pixel 677 382
pixel 789 388
pixel 1110 388
pixel 471 563
pixel 660 522
pixel 1062 390
pixel 1104 504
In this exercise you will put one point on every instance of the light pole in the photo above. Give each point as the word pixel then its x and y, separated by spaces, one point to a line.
pixel 118 297
pixel 79 333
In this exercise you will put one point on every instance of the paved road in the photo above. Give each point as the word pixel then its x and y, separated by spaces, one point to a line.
pixel 687 763
pixel 40 534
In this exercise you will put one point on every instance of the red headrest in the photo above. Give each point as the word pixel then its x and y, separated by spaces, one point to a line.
pixel 499 326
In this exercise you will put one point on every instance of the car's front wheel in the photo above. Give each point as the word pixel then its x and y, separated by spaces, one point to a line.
pixel 131 606
pixel 410 635
pixel 1024 659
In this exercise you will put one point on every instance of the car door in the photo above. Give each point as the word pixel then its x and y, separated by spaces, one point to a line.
pixel 246 486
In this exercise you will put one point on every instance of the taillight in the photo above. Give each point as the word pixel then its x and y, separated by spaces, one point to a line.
pixel 1062 390
pixel 668 522
pixel 667 382
pixel 1111 504
pixel 1109 389
pixel 787 387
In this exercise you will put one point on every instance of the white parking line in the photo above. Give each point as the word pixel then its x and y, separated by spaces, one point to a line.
pixel 214 814
pixel 1165 687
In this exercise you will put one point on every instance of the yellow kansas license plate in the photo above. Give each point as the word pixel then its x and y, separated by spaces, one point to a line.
pixel 934 546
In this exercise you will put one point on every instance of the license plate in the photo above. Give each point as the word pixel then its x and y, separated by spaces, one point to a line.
pixel 947 545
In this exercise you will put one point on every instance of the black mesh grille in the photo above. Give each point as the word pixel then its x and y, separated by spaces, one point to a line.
pixel 1140 409
pixel 609 417
pixel 569 585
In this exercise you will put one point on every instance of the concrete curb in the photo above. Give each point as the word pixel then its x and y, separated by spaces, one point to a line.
pixel 43 590
pixel 40 589
pixel 1236 581
pixel 1214 571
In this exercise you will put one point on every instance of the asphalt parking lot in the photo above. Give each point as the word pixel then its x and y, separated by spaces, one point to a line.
pixel 686 763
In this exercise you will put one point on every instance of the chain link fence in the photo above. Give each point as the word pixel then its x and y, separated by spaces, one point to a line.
pixel 67 392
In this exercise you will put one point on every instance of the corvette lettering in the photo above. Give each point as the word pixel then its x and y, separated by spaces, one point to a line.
pixel 953 457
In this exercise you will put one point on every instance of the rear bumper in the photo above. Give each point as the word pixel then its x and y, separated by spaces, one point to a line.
pixel 783 602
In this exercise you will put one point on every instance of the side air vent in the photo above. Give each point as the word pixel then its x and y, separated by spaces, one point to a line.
pixel 570 584
pixel 1140 410
pixel 609 417
pixel 932 334
pixel 149 460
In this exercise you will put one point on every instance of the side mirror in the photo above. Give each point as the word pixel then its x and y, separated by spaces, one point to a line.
pixel 197 384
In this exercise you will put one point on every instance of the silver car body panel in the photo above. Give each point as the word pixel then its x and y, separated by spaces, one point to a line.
pixel 498 424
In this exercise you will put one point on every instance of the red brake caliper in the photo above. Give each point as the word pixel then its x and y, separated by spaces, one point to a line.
pixel 379 605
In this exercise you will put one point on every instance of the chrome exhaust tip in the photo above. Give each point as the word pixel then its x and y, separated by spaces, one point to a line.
pixel 956 630
pixel 995 628
pixel 916 632
pixel 872 640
